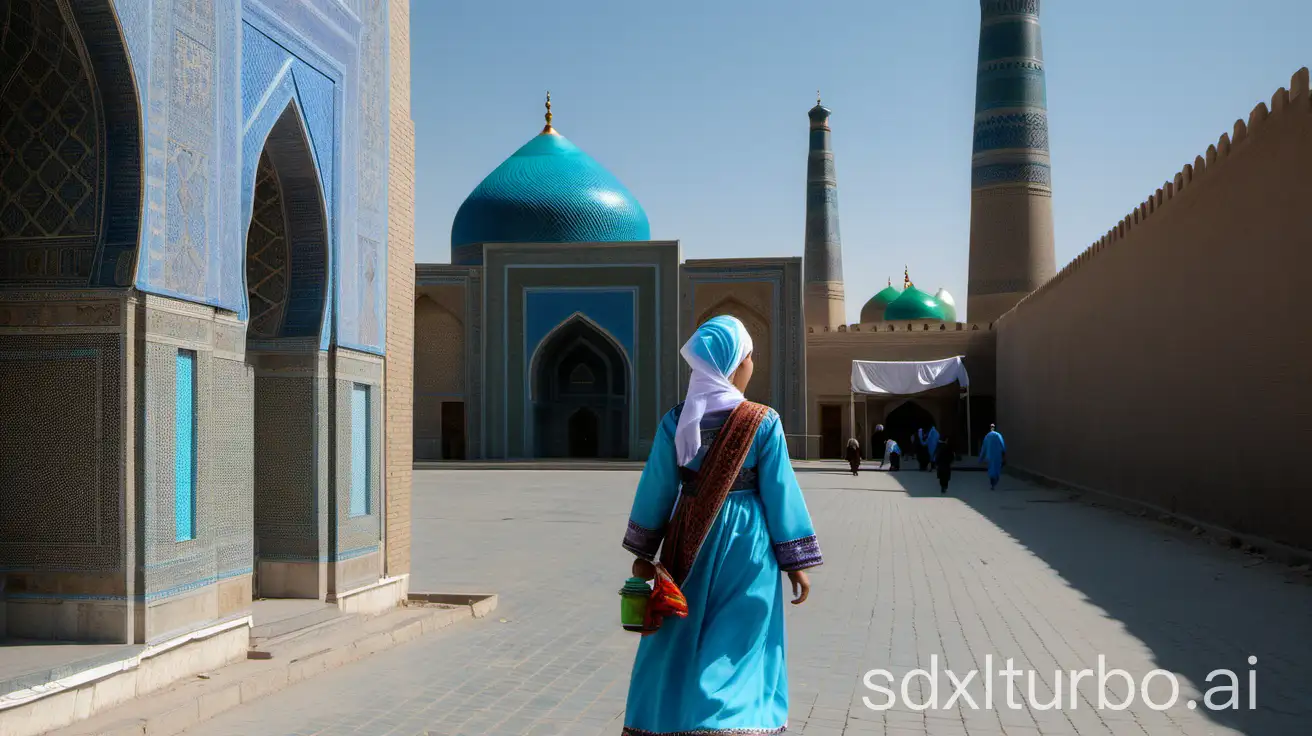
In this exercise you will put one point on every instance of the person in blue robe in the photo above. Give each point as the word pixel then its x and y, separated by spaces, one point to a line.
pixel 723 667
pixel 931 441
pixel 994 454
pixel 894 453
pixel 920 442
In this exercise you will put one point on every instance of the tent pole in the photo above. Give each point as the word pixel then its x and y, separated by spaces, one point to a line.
pixel 865 419
pixel 851 398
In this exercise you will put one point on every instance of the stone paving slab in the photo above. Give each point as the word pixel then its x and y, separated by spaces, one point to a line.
pixel 910 576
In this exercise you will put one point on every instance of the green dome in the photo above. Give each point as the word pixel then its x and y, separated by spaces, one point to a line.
pixel 915 305
pixel 949 304
pixel 873 311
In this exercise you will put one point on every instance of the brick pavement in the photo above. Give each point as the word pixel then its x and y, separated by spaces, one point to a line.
pixel 1019 573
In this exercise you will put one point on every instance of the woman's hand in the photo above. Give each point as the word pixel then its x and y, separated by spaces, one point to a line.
pixel 643 569
pixel 801 586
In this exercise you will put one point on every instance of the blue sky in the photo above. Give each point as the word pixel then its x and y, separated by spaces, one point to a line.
pixel 700 109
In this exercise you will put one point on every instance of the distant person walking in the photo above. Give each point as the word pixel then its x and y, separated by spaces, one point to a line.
pixel 931 441
pixel 853 455
pixel 894 454
pixel 943 463
pixel 922 449
pixel 994 454
pixel 877 444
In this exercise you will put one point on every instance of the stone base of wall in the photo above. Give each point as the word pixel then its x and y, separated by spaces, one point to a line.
pixel 357 572
pixel 175 615
pixel 64 619
pixel 281 579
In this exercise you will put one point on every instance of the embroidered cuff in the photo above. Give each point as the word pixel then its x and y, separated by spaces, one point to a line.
pixel 798 554
pixel 642 541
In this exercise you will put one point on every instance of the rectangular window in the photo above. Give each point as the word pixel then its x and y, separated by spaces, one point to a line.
pixel 184 447
pixel 361 450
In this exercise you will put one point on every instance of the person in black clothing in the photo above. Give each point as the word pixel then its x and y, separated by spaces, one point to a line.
pixel 943 463
pixel 853 455
pixel 877 444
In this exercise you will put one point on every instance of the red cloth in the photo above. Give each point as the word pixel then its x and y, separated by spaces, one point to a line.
pixel 666 600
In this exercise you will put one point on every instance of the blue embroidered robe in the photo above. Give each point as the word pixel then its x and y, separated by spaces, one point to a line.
pixel 723 668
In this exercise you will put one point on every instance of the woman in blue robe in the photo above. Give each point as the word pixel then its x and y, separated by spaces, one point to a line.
pixel 994 453
pixel 723 667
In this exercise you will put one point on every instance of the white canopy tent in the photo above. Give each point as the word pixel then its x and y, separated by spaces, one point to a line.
pixel 907 378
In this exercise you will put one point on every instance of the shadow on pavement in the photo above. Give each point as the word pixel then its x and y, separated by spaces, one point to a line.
pixel 1198 607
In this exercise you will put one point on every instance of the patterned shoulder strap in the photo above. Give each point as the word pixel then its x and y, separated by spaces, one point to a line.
pixel 695 513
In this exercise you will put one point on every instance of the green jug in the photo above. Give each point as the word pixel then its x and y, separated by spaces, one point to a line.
pixel 634 597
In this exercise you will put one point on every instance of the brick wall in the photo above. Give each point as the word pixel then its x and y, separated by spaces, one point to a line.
pixel 399 369
pixel 1168 363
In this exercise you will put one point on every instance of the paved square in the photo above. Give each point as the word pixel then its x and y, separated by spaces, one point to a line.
pixel 1018 573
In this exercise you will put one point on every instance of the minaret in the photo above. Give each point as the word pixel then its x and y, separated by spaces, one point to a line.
pixel 823 258
pixel 1011 237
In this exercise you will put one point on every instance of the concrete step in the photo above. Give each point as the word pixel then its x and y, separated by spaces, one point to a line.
pixel 292 660
pixel 318 622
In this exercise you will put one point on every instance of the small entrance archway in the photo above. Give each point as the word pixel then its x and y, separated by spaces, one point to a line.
pixel 286 285
pixel 903 422
pixel 581 387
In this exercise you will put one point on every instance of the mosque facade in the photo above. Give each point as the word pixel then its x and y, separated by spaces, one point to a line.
pixel 534 342
pixel 201 202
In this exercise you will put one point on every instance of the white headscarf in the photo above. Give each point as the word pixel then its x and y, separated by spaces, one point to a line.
pixel 714 352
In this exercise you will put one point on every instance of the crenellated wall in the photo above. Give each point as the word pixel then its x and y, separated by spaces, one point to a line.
pixel 1168 363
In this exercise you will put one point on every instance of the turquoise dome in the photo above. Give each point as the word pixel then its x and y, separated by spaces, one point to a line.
pixel 549 191
pixel 874 309
pixel 915 305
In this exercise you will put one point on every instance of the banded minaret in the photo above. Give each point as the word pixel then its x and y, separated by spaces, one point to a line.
pixel 822 261
pixel 1011 237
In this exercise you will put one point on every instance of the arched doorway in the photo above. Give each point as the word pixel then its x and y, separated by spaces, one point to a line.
pixel 286 284
pixel 903 421
pixel 580 393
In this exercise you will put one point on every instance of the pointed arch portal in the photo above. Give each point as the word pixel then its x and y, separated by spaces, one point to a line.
pixel 286 292
pixel 581 385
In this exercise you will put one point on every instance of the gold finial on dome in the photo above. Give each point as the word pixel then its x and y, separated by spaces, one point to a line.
pixel 547 129
pixel 817 97
pixel 906 278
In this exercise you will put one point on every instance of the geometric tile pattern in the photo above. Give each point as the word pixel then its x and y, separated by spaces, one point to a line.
pixel 1020 130
pixel 549 191
pixel 60 487
pixel 823 259
pixel 51 149
pixel 1011 127
pixel 266 254
pixel 1029 173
